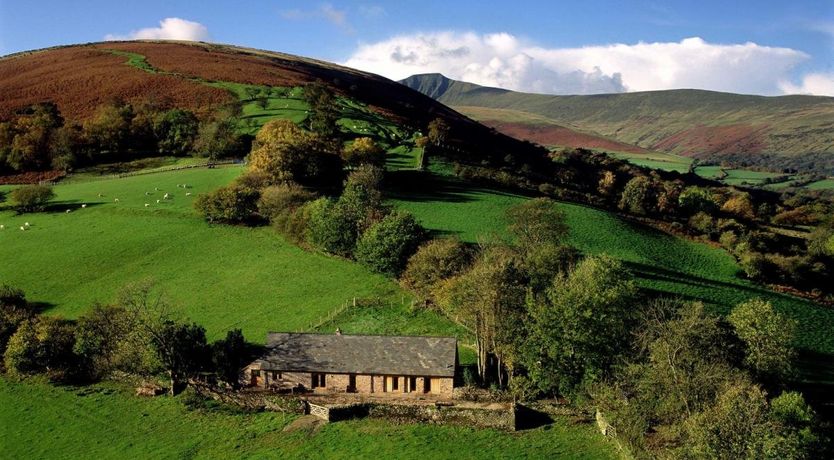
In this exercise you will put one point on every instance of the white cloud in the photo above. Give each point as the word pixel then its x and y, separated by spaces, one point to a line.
pixel 819 84
pixel 169 29
pixel 507 61
pixel 325 11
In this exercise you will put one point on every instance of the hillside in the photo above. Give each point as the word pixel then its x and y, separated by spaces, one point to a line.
pixel 785 131
pixel 205 77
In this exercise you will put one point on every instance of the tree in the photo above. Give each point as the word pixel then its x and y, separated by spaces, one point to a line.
pixel 42 345
pixel 231 204
pixel 31 135
pixel 101 336
pixel 176 131
pixel 696 199
pixel 364 150
pixel 489 299
pixel 30 198
pixel 637 196
pixel 179 348
pixel 285 153
pixel 434 261
pixel 733 428
pixel 229 356
pixel 688 358
pixel 218 139
pixel 110 129
pixel 582 325
pixel 740 206
pixel 324 110
pixel 767 336
pixel 386 246
pixel 438 131
pixel 537 222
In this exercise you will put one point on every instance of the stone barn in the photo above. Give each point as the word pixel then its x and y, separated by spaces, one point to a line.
pixel 369 364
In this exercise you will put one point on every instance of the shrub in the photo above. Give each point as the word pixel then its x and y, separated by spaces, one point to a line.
pixel 282 199
pixel 293 225
pixel 703 223
pixel 435 260
pixel 386 246
pixel 767 336
pixel 330 228
pixel 232 204
pixel 42 345
pixel 29 198
pixel 14 310
pixel 740 206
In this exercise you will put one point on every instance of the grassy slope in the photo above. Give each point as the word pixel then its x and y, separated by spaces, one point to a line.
pixel 662 263
pixel 222 276
pixel 103 421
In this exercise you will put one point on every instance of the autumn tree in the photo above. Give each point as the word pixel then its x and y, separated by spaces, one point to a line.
pixel 364 150
pixel 285 152
pixel 438 131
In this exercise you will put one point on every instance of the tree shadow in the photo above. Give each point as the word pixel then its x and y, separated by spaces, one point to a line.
pixel 527 418
pixel 59 207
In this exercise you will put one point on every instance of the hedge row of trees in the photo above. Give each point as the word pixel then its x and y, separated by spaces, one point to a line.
pixel 38 138
pixel 735 218
pixel 139 334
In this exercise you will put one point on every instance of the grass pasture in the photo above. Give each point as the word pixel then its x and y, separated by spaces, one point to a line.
pixel 105 421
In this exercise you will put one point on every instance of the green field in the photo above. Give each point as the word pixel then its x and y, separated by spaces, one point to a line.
pixel 662 263
pixel 825 184
pixel 220 276
pixel 664 161
pixel 735 176
pixel 105 421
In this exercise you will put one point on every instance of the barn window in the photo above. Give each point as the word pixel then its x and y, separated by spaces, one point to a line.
pixel 395 383
pixel 412 384
pixel 319 381
pixel 426 385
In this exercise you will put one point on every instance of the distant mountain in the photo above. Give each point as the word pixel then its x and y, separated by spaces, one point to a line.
pixel 779 132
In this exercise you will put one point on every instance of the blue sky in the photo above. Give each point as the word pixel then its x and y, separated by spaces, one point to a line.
pixel 764 47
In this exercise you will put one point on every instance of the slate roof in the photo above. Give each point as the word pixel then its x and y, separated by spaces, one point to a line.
pixel 360 354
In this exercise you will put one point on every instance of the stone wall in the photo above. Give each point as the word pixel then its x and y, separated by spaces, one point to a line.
pixel 503 419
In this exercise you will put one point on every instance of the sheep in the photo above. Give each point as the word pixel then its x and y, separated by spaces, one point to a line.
pixel 156 188
pixel 147 204
pixel 165 197
pixel 116 200
pixel 26 224
pixel 187 193
pixel 158 201
pixel 2 227
pixel 100 195
pixel 23 228
pixel 83 206
pixel 69 210
pixel 147 193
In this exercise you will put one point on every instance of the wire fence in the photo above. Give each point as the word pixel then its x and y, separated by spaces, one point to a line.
pixel 178 168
